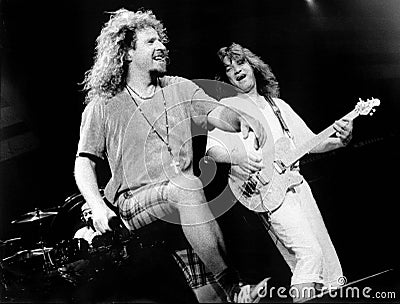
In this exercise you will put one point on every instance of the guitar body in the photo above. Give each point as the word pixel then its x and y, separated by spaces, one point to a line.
pixel 267 196
pixel 265 191
pixel 283 178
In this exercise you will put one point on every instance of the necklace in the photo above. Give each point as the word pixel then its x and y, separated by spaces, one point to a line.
pixel 174 163
pixel 140 96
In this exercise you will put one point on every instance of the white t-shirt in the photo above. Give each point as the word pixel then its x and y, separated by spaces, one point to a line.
pixel 86 233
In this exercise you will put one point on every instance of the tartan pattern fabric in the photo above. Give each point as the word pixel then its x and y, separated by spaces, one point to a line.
pixel 138 208
pixel 145 205
pixel 193 268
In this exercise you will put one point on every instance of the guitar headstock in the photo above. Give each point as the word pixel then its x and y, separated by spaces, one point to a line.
pixel 367 107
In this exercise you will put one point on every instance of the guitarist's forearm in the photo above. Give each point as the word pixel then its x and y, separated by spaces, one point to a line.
pixel 329 144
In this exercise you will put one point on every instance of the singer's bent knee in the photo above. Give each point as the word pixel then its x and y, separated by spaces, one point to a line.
pixel 186 189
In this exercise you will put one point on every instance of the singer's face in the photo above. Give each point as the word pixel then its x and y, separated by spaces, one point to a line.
pixel 149 54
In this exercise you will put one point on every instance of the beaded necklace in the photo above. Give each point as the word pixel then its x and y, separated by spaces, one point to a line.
pixel 174 163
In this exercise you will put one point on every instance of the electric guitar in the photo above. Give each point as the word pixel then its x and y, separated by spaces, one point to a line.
pixel 264 191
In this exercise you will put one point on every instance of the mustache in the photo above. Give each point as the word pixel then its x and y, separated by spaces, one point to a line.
pixel 164 54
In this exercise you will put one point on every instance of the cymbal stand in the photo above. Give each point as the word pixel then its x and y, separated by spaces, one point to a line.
pixel 46 259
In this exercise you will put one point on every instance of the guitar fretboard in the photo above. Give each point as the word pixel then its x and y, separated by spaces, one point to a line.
pixel 302 150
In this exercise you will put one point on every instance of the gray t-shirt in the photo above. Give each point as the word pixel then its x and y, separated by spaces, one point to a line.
pixel 116 129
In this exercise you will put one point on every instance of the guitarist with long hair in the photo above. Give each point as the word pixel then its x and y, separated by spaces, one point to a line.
pixel 295 224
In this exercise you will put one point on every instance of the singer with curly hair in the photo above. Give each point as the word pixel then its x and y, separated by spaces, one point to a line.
pixel 140 120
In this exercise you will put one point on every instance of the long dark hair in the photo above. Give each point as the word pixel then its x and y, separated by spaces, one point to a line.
pixel 267 84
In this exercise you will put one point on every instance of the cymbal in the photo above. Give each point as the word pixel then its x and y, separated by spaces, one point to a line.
pixel 9 241
pixel 27 253
pixel 33 216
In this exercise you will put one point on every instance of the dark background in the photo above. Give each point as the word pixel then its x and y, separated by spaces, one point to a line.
pixel 325 55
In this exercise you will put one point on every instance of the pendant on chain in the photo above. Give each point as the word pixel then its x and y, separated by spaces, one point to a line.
pixel 174 163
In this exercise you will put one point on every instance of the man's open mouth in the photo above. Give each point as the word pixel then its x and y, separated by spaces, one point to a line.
pixel 240 77
pixel 160 58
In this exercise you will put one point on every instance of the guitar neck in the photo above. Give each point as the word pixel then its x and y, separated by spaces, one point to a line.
pixel 302 150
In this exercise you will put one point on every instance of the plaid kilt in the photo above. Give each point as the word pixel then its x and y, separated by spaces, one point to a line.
pixel 138 208
pixel 193 268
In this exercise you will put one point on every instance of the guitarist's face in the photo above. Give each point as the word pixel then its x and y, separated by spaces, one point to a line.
pixel 240 74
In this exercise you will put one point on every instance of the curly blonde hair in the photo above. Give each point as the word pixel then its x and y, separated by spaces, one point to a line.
pixel 265 79
pixel 107 77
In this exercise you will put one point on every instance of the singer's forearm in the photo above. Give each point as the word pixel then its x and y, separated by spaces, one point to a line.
pixel 221 155
pixel 85 177
pixel 225 118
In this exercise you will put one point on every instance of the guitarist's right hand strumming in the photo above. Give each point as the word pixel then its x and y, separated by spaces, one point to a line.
pixel 249 160
pixel 249 163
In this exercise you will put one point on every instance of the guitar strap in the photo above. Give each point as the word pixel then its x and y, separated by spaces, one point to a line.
pixel 284 126
pixel 278 114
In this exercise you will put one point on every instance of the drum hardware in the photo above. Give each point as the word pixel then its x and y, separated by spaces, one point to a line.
pixel 51 258
pixel 41 251
pixel 10 246
pixel 45 252
pixel 2 243
pixel 36 215
pixel 26 269
pixel 24 256
pixel 69 251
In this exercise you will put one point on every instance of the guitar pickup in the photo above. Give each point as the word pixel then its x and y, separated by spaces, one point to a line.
pixel 279 166
pixel 262 180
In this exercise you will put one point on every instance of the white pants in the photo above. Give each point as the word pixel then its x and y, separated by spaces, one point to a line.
pixel 299 232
